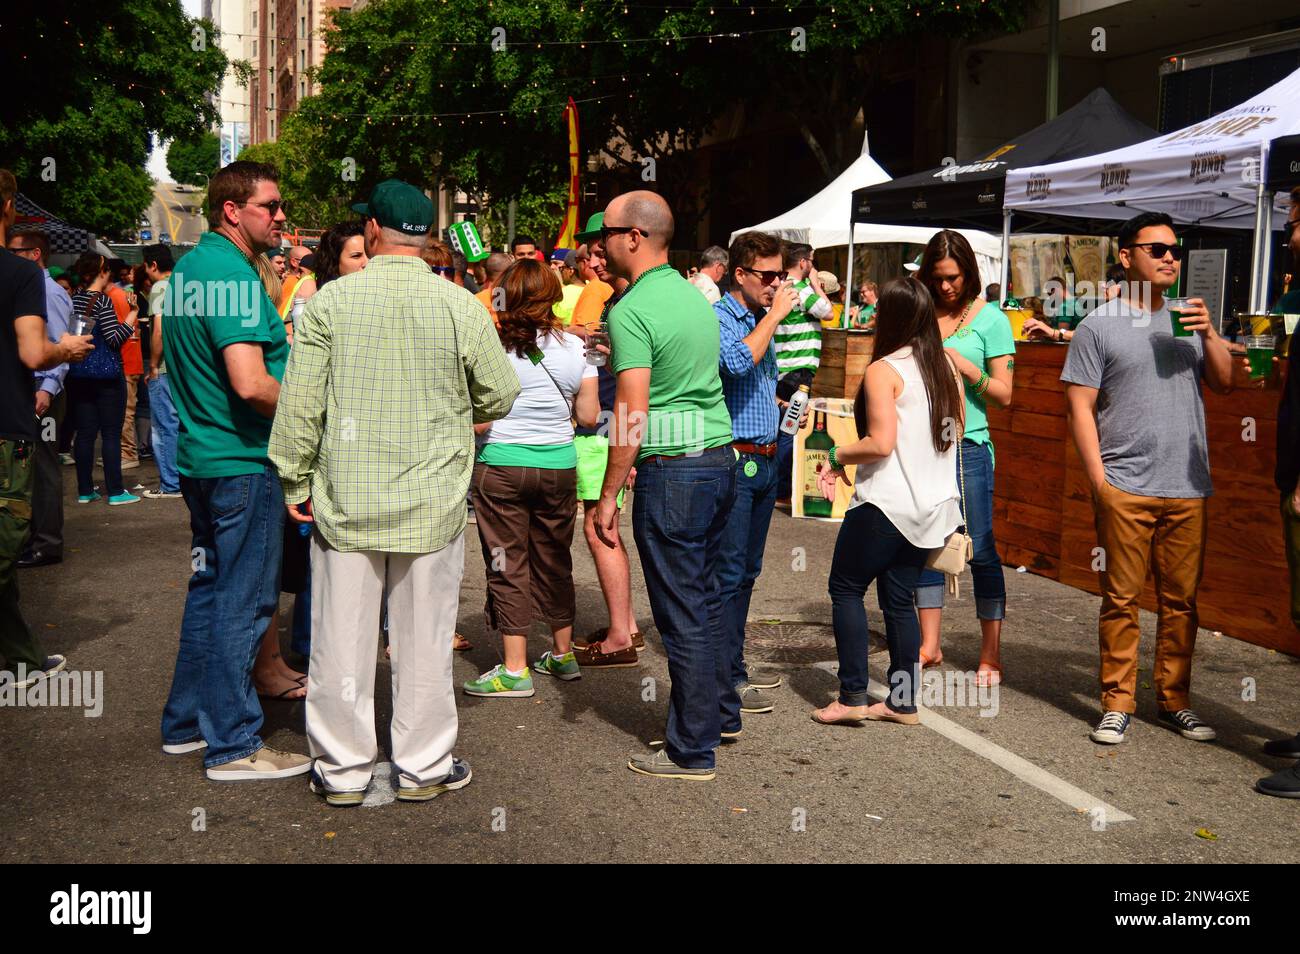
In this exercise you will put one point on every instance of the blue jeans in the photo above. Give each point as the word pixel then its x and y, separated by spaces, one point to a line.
pixel 163 428
pixel 740 560
pixel 237 525
pixel 986 565
pixel 784 465
pixel 96 407
pixel 679 515
pixel 869 548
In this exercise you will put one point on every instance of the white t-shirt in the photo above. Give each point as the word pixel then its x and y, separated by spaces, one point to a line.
pixel 707 286
pixel 540 414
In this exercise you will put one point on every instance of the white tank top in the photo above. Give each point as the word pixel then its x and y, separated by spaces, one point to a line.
pixel 915 487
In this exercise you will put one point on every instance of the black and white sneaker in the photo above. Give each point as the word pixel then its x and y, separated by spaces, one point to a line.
pixel 1186 723
pixel 1110 730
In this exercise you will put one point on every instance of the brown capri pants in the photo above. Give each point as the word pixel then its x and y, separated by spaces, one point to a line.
pixel 525 523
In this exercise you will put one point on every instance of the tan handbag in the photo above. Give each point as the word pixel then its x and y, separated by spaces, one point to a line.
pixel 958 549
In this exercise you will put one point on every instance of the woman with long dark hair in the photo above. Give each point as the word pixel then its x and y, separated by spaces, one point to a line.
pixel 524 485
pixel 342 251
pixel 97 387
pixel 905 501
pixel 977 336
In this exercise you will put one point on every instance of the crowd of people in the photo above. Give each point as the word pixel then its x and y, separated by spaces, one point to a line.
pixel 335 418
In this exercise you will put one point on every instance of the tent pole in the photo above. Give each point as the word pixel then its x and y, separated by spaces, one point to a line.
pixel 1263 238
pixel 1004 270
pixel 848 279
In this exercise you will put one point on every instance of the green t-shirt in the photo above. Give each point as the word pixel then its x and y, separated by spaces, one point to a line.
pixel 541 456
pixel 984 337
pixel 215 299
pixel 662 322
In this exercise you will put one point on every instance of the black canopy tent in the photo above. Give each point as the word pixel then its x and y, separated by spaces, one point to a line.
pixel 970 194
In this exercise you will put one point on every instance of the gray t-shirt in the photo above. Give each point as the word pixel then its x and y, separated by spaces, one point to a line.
pixel 1150 413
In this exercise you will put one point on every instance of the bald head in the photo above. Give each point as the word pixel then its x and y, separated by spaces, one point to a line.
pixel 647 211
pixel 495 264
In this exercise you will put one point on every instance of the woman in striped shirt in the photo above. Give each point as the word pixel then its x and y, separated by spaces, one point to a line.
pixel 96 387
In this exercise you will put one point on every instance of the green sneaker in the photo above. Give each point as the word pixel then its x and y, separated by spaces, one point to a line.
pixel 497 682
pixel 561 667
pixel 87 498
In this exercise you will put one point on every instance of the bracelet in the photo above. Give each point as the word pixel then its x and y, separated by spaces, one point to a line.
pixel 834 459
pixel 981 383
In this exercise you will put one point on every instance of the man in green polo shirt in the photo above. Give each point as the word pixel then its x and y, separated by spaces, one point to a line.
pixel 226 351
pixel 671 420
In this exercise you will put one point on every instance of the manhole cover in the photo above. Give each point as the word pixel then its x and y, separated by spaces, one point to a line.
pixel 792 641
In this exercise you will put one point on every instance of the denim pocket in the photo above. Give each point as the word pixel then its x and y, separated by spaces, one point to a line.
pixel 229 495
pixel 690 504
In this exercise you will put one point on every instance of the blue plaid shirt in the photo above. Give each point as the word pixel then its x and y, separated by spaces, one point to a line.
pixel 749 388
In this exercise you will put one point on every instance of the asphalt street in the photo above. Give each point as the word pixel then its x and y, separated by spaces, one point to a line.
pixel 1010 779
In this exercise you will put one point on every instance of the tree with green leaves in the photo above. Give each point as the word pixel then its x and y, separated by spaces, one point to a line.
pixel 98 81
pixel 193 159
pixel 472 96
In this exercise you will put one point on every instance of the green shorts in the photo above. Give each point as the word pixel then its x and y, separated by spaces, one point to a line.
pixel 593 454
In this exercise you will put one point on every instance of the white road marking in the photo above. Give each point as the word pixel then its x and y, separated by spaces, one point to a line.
pixel 1026 771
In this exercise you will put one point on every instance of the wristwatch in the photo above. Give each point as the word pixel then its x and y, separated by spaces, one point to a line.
pixel 1060 335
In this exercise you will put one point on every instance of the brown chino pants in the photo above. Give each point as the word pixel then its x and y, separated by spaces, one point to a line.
pixel 1131 531
pixel 525 523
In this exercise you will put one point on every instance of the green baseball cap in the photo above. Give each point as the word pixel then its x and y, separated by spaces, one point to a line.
pixel 275 252
pixel 592 231
pixel 398 205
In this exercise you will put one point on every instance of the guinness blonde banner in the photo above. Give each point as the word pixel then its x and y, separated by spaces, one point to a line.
pixel 1207 172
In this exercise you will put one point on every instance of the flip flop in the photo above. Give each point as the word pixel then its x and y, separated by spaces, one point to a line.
pixel 988 675
pixel 928 663
pixel 284 696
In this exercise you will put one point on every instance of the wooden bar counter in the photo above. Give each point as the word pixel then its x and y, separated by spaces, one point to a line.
pixel 1042 507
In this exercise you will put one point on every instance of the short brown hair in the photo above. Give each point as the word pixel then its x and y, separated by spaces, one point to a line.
pixel 1295 196
pixel 748 247
pixel 869 285
pixel 949 244
pixel 436 253
pixel 236 183
pixel 531 289
pixel 35 238
pixel 792 252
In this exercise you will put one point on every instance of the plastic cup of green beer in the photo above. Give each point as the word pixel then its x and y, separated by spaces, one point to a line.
pixel 1177 306
pixel 1259 352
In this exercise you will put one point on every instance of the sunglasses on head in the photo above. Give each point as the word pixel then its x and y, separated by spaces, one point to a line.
pixel 765 276
pixel 1159 250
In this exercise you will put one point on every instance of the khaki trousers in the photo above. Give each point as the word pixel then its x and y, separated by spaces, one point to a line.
pixel 129 451
pixel 1133 530
pixel 347 593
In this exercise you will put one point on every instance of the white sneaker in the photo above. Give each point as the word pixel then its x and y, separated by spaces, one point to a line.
pixel 183 748
pixel 52 665
pixel 161 494
pixel 265 763
pixel 1110 730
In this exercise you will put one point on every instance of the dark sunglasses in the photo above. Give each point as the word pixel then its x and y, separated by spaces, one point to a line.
pixel 273 207
pixel 765 276
pixel 607 230
pixel 1159 250
pixel 442 269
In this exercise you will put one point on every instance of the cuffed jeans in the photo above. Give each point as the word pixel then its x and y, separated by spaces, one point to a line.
pixel 679 516
pixel 740 561
pixel 869 547
pixel 985 565
pixel 237 525
pixel 163 428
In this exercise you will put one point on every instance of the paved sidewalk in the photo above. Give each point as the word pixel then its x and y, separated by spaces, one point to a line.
pixel 549 776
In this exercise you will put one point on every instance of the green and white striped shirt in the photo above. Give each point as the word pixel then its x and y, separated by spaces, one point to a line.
pixel 390 369
pixel 798 337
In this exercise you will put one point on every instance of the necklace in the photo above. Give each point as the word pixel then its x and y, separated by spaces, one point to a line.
pixel 648 271
pixel 965 313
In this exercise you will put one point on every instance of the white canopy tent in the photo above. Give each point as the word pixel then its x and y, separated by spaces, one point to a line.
pixel 823 222
pixel 1212 173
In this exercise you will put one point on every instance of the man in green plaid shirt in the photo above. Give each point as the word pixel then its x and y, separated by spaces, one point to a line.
pixel 391 367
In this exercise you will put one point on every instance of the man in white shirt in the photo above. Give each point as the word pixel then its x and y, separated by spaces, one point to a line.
pixel 713 265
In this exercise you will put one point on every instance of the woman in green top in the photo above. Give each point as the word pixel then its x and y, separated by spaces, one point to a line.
pixel 977 336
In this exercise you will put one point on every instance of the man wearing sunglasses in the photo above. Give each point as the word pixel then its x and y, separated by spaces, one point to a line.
pixel 1137 416
pixel 226 350
pixel 749 315
pixel 671 421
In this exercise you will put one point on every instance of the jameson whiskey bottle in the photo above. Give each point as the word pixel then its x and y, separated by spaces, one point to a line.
pixel 816 458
